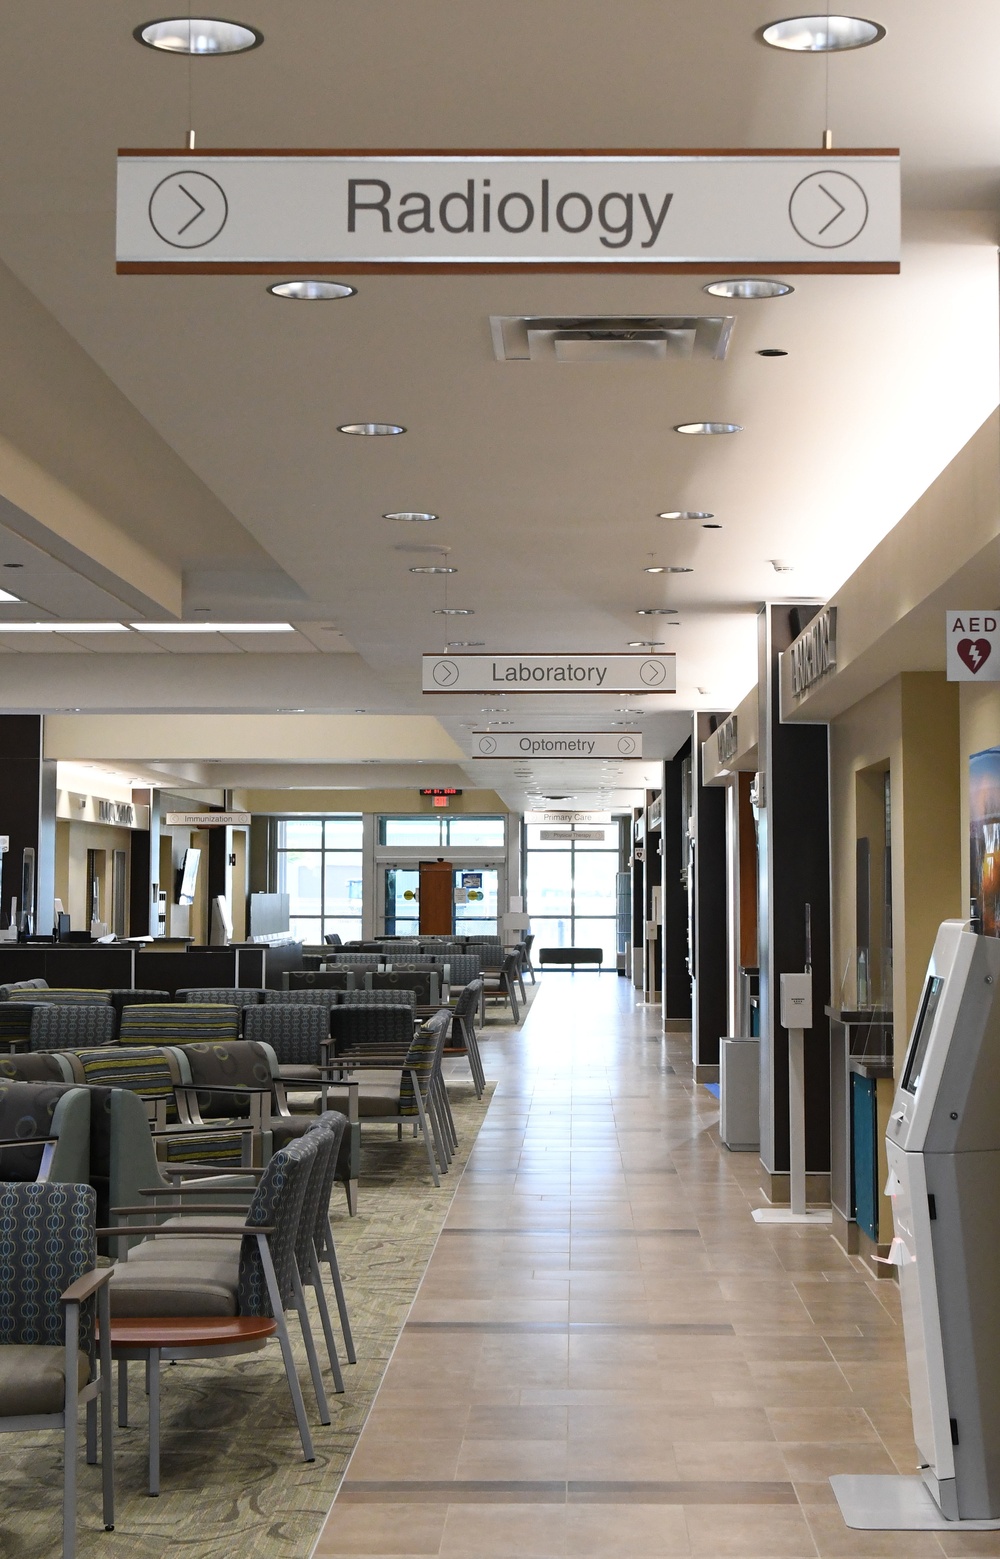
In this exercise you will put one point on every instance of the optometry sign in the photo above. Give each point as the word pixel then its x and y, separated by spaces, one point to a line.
pixel 549 674
pixel 333 211
pixel 556 744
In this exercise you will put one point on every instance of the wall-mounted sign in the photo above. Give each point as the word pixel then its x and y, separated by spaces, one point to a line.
pixel 591 835
pixel 612 673
pixel 207 819
pixel 728 739
pixel 75 807
pixel 556 744
pixel 119 813
pixel 973 645
pixel 487 211
pixel 472 879
pixel 814 652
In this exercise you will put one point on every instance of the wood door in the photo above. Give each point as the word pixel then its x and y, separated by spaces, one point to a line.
pixel 436 898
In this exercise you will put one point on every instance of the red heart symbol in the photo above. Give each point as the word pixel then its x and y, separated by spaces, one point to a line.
pixel 975 653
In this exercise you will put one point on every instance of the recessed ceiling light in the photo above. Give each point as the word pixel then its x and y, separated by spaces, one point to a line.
pixel 686 514
pixel 645 644
pixel 60 627
pixel 312 291
pixel 713 526
pixel 656 611
pixel 492 711
pixel 431 568
pixel 212 627
pixel 658 569
pixel 822 34
pixel 708 427
pixel 372 429
pixel 454 611
pixel 5 595
pixel 465 644
pixel 623 722
pixel 13 565
pixel 288 711
pixel 677 568
pixel 621 710
pixel 199 35
pixel 748 287
pixel 771 351
pixel 414 516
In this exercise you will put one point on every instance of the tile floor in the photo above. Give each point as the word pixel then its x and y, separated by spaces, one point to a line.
pixel 607 1355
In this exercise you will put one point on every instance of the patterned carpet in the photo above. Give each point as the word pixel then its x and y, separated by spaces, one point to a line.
pixel 233 1477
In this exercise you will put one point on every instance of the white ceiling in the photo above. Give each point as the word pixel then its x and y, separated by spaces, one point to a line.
pixel 198 414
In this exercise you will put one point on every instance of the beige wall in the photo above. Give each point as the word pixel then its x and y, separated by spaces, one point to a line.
pixel 73 840
pixel 979 724
pixel 316 802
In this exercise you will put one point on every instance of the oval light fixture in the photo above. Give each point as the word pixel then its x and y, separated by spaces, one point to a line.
pixel 645 644
pixel 312 291
pixel 771 351
pixel 686 514
pixel 656 611
pixel 372 429
pixel 748 287
pixel 454 611
pixel 431 568
pixel 198 35
pixel 822 34
pixel 659 569
pixel 679 568
pixel 410 516
pixel 708 427
pixel 466 644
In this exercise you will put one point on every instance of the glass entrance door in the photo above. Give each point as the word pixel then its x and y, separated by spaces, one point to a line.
pixel 476 895
pixel 402 905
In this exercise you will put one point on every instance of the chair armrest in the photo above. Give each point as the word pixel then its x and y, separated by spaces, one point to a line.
pixel 25 1142
pixel 164 1230
pixel 246 1088
pixel 87 1285
pixel 163 1207
pixel 182 1190
pixel 203 1172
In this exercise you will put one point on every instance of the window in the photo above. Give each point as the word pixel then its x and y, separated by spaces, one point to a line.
pixel 435 833
pixel 572 888
pixel 318 864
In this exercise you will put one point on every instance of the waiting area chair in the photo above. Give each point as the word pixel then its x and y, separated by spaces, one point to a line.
pixel 50 1361
pixel 57 1027
pixel 180 1023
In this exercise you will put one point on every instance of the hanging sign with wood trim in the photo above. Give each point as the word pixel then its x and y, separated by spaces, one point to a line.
pixel 356 211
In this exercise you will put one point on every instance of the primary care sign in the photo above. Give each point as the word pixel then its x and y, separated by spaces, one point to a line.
pixel 549 674
pixel 352 211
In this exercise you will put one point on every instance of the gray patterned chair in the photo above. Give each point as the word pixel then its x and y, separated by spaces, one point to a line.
pixel 192 1271
pixel 399 1087
pixel 297 1033
pixel 321 979
pixel 48 1350
pixel 425 982
pixel 241 996
pixel 42 1066
pixel 381 1026
pixel 15 1022
pixel 72 996
pixel 10 991
pixel 399 996
pixel 315 996
pixel 463 1031
pixel 72 1027
pixel 44 1131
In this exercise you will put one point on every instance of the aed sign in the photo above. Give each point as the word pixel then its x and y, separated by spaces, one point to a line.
pixel 556 744
pixel 973 646
pixel 612 673
pixel 642 210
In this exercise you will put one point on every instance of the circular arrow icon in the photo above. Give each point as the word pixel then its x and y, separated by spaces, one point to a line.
pixel 828 209
pixel 188 210
pixel 653 672
pixel 626 745
pixel 487 745
pixel 445 673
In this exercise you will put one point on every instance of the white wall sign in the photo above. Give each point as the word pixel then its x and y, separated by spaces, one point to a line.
pixel 591 835
pixel 549 674
pixel 643 210
pixel 207 819
pixel 568 817
pixel 556 744
pixel 973 643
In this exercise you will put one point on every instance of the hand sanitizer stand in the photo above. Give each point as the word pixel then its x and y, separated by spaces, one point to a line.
pixel 796 1017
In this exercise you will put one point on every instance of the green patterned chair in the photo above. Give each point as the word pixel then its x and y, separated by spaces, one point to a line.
pixel 48 1350
pixel 179 1023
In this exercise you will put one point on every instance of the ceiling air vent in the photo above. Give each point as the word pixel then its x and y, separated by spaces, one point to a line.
pixel 609 338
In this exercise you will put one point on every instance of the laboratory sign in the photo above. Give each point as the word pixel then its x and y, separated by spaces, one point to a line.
pixel 549 674
pixel 621 210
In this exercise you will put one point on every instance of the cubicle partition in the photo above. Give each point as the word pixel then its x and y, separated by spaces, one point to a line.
pixel 148 967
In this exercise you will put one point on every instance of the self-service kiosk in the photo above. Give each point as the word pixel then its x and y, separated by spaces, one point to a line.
pixel 943 1146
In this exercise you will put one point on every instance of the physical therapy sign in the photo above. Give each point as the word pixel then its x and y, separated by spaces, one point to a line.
pixel 556 744
pixel 549 674
pixel 973 645
pixel 336 211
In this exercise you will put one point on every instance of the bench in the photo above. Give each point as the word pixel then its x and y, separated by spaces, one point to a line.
pixel 570 955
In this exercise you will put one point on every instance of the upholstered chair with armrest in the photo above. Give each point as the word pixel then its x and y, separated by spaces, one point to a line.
pixel 320 979
pixel 72 1027
pixel 396 1085
pixel 396 996
pixel 426 983
pixel 241 996
pixel 128 996
pixel 36 1066
pixel 50 1361
pixel 72 995
pixel 501 984
pixel 44 1131
pixel 463 1031
pixel 15 1022
pixel 235 1293
pixel 179 1023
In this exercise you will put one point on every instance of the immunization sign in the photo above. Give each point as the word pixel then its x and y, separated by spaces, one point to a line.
pixel 338 211
pixel 556 744
pixel 549 673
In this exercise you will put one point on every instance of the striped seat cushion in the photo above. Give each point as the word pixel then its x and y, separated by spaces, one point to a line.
pixel 70 996
pixel 179 1023
pixel 142 1069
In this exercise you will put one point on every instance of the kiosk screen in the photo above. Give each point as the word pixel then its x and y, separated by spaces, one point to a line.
pixel 922 1033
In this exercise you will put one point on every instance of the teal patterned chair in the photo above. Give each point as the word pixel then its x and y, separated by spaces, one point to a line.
pixel 50 1297
pixel 179 1023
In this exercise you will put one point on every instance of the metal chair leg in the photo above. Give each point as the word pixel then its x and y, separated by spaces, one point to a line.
pixel 71 1429
pixel 294 1389
pixel 107 1412
pixel 316 1278
pixel 310 1347
pixel 330 1253
pixel 153 1364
